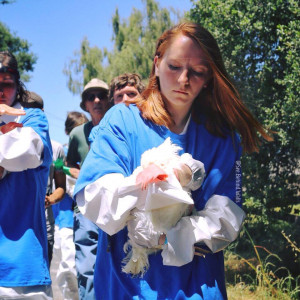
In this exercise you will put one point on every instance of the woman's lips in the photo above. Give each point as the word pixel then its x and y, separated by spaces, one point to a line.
pixel 181 92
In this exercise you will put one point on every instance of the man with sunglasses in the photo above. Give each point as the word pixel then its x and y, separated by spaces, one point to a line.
pixel 94 100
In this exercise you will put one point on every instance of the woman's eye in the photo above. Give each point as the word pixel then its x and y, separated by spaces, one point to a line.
pixel 199 74
pixel 172 67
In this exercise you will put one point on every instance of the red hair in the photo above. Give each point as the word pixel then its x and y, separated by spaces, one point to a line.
pixel 220 102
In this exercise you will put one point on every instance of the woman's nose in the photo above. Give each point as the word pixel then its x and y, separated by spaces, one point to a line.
pixel 184 77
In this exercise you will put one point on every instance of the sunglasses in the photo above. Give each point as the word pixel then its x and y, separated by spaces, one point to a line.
pixel 91 96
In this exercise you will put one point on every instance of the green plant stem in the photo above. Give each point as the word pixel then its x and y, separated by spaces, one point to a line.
pixel 259 259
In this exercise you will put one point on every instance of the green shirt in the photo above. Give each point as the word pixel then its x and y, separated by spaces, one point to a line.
pixel 79 144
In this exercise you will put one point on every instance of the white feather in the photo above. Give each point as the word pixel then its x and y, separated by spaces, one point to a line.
pixel 166 156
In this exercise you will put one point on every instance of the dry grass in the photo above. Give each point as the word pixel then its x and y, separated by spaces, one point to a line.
pixel 241 291
pixel 262 279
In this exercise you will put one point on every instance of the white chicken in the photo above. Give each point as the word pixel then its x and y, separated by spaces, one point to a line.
pixel 166 203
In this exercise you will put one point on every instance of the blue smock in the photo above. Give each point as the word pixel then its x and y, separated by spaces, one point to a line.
pixel 120 139
pixel 23 236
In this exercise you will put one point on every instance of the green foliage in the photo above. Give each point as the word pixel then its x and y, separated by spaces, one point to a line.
pixel 134 44
pixel 272 236
pixel 269 278
pixel 84 66
pixel 260 44
pixel 20 48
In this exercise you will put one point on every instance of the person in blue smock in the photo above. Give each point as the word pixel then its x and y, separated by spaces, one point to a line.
pixel 25 158
pixel 66 276
pixel 190 99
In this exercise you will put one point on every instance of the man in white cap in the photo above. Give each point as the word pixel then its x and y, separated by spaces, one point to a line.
pixel 94 100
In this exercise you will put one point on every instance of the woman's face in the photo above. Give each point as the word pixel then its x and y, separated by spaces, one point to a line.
pixel 183 72
pixel 8 88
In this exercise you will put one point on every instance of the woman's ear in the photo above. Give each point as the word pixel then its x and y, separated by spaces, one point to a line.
pixel 156 66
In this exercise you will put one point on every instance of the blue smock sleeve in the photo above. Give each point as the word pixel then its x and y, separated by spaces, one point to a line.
pixel 109 153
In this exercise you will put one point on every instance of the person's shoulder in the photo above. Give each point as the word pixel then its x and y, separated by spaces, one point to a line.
pixel 229 139
pixel 77 129
pixel 36 119
pixel 120 113
pixel 231 142
pixel 88 126
pixel 57 148
pixel 32 110
pixel 34 113
pixel 124 109
pixel 56 144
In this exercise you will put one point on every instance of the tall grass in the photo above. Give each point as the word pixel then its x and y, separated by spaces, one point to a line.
pixel 270 280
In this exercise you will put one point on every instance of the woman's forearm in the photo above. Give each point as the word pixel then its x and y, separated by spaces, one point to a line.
pixel 217 225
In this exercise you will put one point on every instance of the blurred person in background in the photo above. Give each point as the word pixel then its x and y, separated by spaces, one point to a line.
pixel 94 100
pixel 66 276
pixel 56 186
pixel 125 87
pixel 25 158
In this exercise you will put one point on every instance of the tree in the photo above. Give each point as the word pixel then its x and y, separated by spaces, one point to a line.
pixel 20 48
pixel 134 45
pixel 260 44
pixel 86 65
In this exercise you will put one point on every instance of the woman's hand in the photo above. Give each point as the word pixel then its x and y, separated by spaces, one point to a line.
pixel 183 173
pixel 8 110
pixel 190 172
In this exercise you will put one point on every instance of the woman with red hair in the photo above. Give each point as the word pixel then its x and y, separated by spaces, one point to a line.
pixel 190 99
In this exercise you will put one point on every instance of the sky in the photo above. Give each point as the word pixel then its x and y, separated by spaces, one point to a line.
pixel 55 29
